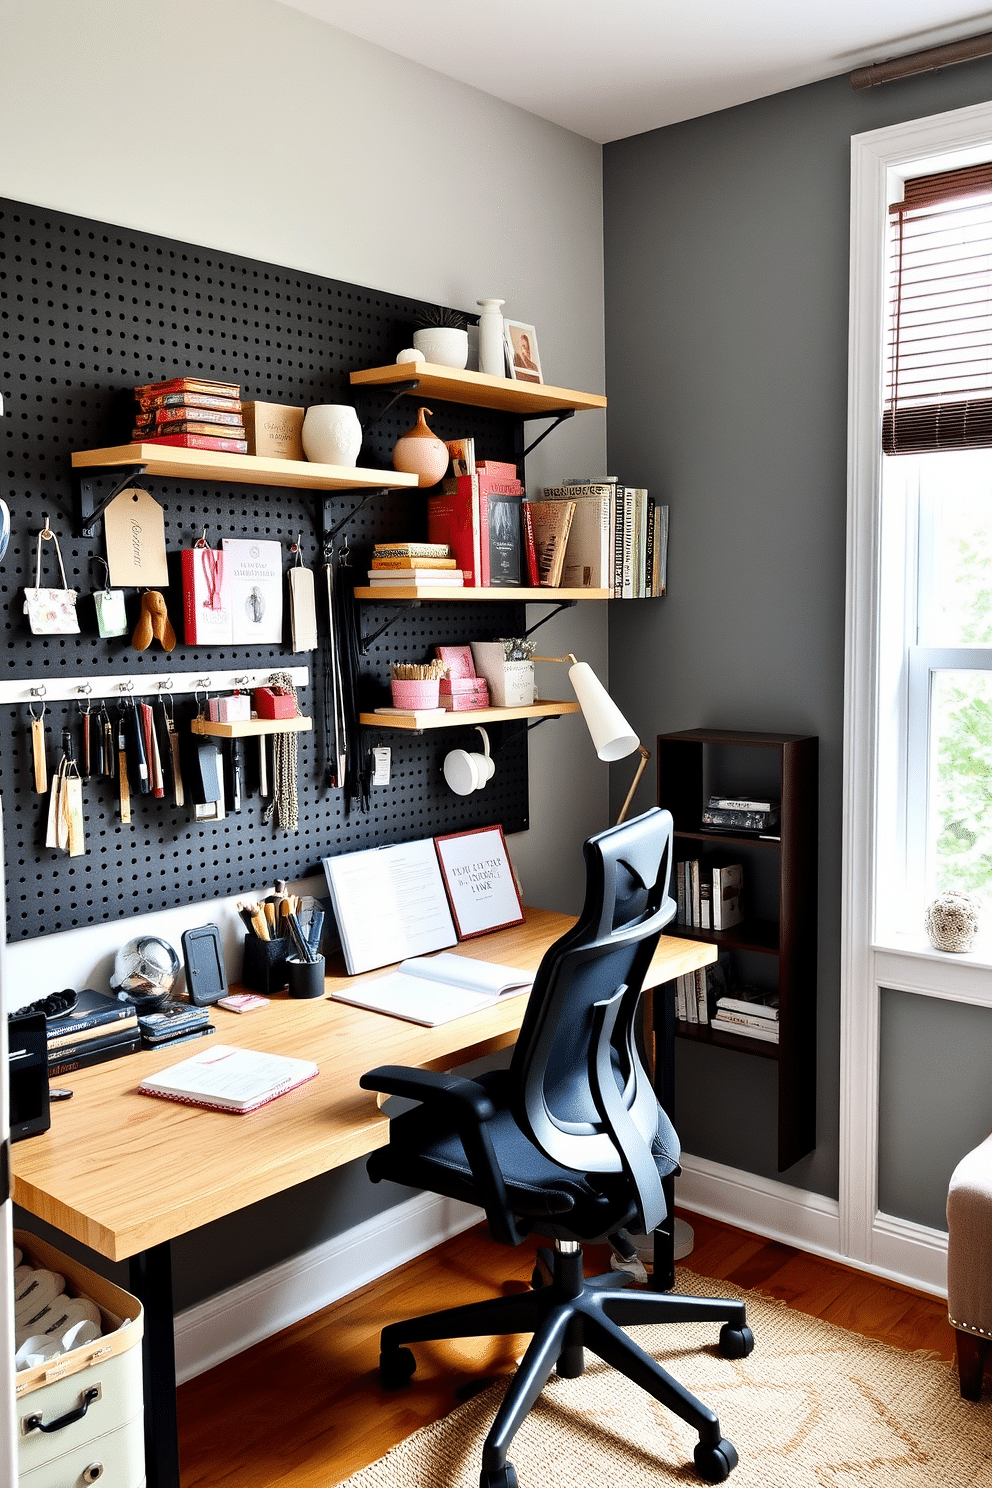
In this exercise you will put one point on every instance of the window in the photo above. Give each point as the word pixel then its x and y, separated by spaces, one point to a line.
pixel 935 619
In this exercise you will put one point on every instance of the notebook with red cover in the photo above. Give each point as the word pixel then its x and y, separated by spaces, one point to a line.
pixel 226 1078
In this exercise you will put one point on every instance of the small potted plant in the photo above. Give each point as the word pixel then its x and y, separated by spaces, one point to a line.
pixel 442 337
pixel 507 667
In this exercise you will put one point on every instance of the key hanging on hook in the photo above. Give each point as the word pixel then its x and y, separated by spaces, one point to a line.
pixel 86 714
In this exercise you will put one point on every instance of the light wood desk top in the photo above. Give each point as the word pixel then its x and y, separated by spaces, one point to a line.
pixel 122 1172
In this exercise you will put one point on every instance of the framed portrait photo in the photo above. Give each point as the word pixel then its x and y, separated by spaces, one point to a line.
pixel 478 877
pixel 521 351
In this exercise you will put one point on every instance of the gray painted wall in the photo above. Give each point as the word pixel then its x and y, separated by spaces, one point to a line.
pixel 727 249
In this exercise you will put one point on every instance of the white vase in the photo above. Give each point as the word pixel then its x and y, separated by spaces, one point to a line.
pixel 445 346
pixel 332 434
pixel 491 355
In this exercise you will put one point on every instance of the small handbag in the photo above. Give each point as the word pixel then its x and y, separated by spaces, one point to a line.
pixel 50 611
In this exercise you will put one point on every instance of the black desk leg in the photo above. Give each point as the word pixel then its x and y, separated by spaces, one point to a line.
pixel 151 1283
pixel 663 1278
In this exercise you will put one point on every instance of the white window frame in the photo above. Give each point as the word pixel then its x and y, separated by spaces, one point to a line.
pixel 880 161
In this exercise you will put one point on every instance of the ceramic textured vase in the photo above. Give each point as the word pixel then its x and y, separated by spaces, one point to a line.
pixel 444 346
pixel 331 434
pixel 491 354
pixel 419 452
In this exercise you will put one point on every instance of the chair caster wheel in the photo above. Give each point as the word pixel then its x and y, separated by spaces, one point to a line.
pixel 714 1464
pixel 735 1343
pixel 395 1368
pixel 503 1477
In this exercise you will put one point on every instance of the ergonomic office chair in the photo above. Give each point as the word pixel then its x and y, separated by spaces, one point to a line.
pixel 569 1141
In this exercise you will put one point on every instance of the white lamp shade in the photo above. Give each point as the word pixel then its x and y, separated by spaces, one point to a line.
pixel 611 734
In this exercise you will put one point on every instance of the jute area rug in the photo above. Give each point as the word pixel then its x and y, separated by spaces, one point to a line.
pixel 814 1406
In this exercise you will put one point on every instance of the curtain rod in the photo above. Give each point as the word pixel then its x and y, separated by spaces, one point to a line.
pixel 929 60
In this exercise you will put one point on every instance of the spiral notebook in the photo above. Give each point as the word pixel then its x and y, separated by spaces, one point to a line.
pixel 224 1078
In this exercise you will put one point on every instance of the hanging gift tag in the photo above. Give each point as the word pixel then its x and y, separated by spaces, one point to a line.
pixel 134 529
pixel 50 611
pixel 302 609
pixel 71 807
pixel 111 617
pixel 51 830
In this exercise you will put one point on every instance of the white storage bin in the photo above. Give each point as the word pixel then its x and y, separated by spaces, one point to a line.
pixel 105 1444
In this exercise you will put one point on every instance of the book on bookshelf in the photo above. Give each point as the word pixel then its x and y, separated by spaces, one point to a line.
pixel 531 567
pixel 153 401
pixel 742 803
pixel 411 550
pixel 453 519
pixel 705 901
pixel 194 426
pixel 753 1028
pixel 216 418
pixel 197 441
pixel 588 561
pixel 726 895
pixel 702 1000
pixel 416 578
pixel 551 522
pixel 693 896
pixel 660 584
pixel 210 386
pixel 397 561
pixel 722 819
pixel 462 452
pixel 751 1002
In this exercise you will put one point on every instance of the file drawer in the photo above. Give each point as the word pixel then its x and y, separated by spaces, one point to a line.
pixel 90 1396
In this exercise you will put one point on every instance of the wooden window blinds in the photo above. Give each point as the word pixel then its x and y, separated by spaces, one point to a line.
pixel 939 361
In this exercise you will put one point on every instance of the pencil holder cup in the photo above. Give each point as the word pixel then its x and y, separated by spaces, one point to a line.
pixel 265 964
pixel 415 694
pixel 306 978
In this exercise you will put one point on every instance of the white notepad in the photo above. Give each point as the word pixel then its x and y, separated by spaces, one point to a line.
pixel 225 1078
pixel 437 989
pixel 389 902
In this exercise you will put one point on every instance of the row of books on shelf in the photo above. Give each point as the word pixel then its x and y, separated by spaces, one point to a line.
pixel 708 894
pixel 579 535
pixel 711 995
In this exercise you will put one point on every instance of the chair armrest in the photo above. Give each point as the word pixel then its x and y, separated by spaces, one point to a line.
pixel 469 1108
pixel 433 1087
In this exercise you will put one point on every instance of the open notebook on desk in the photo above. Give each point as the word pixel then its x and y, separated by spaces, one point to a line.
pixel 437 989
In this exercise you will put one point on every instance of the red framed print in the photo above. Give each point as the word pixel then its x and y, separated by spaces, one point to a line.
pixel 479 881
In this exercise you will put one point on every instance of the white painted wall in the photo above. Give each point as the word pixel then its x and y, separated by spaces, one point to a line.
pixel 343 160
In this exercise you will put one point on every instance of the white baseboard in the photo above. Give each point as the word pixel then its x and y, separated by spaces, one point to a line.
pixel 235 1319
pixel 243 1315
pixel 908 1253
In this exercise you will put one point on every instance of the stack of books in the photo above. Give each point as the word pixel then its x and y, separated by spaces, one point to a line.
pixel 741 814
pixel 477 513
pixel 749 1011
pixel 99 1027
pixel 192 412
pixel 708 895
pixel 414 565
pixel 617 538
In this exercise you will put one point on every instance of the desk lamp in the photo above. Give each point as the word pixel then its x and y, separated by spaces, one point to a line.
pixel 611 734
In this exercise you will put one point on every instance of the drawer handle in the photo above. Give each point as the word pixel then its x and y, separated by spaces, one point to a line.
pixel 35 1423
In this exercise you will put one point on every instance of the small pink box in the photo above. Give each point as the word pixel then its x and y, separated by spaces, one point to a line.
pixel 269 704
pixel 235 709
pixel 421 693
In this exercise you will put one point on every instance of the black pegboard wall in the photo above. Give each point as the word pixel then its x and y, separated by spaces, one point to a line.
pixel 88 311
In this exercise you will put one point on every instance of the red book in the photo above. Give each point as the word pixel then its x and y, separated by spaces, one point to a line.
pixel 192 426
pixel 189 385
pixel 173 413
pixel 198 441
pixel 453 518
pixel 478 489
pixel 530 549
pixel 151 401
pixel 500 469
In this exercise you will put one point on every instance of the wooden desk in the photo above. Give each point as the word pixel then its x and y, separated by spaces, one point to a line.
pixel 124 1174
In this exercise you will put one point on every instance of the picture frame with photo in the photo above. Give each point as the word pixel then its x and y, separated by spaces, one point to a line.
pixel 522 355
pixel 479 880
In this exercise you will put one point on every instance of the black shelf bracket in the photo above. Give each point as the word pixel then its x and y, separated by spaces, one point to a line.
pixel 91 507
pixel 330 528
pixel 402 606
pixel 564 604
pixel 510 734
pixel 557 419
pixel 402 389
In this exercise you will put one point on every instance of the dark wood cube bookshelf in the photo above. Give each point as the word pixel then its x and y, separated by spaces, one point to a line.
pixel 778 932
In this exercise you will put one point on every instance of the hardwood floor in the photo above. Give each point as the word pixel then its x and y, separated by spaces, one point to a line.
pixel 305 1410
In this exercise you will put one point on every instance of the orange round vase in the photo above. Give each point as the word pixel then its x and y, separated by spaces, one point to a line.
pixel 419 452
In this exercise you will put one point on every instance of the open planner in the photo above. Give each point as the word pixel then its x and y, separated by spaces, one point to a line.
pixel 437 989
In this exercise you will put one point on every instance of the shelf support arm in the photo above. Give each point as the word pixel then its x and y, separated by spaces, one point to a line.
pixel 329 533
pixel 89 512
pixel 559 418
pixel 565 604
pixel 401 608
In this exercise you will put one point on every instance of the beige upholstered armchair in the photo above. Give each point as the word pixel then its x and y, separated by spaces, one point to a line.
pixel 969 1264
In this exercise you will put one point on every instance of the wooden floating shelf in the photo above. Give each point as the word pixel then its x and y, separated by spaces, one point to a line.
pixel 528 596
pixel 252 470
pixel 469 718
pixel 251 728
pixel 478 389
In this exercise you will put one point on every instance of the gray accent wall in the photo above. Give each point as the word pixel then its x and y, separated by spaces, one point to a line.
pixel 727 252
